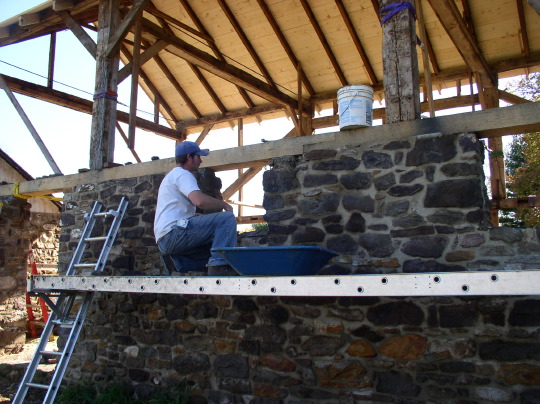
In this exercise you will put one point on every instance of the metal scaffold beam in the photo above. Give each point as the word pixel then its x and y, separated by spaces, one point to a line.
pixel 478 283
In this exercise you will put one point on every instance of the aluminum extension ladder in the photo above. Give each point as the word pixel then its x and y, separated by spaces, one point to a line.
pixel 70 308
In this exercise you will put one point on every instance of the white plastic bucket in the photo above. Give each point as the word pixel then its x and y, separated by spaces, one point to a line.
pixel 355 106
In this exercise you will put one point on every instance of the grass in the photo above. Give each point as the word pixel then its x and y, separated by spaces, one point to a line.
pixel 117 394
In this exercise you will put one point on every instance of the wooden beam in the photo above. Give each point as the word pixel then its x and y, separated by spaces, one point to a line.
pixel 144 57
pixel 224 70
pixel 453 23
pixel 512 98
pixel 29 19
pixel 400 66
pixel 115 41
pixel 52 56
pixel 214 48
pixel 131 149
pixel 242 179
pixel 524 37
pixel 428 93
pixel 61 5
pixel 136 66
pixel 206 130
pixel 104 111
pixel 510 120
pixel 79 32
pixel 81 105
pixel 30 127
pixel 324 42
pixel 356 40
pixel 238 29
pixel 284 43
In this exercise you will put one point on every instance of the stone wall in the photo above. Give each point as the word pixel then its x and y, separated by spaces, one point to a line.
pixel 417 205
pixel 21 230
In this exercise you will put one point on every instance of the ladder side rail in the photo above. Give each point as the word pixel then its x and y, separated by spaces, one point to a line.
pixel 62 364
pixel 111 235
pixel 36 359
pixel 90 222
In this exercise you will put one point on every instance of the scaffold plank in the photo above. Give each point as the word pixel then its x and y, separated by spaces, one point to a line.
pixel 478 283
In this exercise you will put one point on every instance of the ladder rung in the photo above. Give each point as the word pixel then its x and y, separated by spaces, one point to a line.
pixel 85 265
pixel 38 386
pixel 100 238
pixel 51 353
pixel 109 213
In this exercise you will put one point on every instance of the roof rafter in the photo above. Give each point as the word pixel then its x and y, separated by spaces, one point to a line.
pixel 454 24
pixel 283 41
pixel 324 42
pixel 214 48
pixel 224 70
pixel 356 41
pixel 238 29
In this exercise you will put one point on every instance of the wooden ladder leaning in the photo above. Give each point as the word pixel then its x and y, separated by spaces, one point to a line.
pixel 69 309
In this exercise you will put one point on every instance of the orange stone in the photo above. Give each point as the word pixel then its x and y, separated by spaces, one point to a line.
pixel 361 348
pixel 404 347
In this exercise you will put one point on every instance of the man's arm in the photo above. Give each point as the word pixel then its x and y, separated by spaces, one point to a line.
pixel 206 202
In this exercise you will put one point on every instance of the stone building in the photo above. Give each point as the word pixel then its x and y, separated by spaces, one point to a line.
pixel 26 224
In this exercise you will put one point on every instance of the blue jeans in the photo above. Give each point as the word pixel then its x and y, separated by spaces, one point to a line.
pixel 217 229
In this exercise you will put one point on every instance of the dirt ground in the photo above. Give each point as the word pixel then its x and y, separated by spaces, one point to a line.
pixel 12 368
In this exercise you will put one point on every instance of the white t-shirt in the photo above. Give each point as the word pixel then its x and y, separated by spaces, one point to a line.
pixel 173 202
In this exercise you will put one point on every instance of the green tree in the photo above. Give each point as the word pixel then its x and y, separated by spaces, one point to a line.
pixel 523 162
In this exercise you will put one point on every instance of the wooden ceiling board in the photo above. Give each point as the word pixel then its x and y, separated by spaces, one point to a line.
pixel 496 25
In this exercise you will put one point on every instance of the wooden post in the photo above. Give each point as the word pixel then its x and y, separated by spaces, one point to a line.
pixel 52 53
pixel 136 66
pixel 240 170
pixel 400 65
pixel 104 111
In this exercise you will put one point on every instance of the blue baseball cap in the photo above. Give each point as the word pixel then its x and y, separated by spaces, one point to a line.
pixel 188 147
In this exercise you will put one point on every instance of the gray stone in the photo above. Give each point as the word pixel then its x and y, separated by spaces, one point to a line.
pixel 356 180
pixel 266 333
pixel 454 194
pixel 372 159
pixel 356 223
pixel 331 219
pixel 396 208
pixel 344 163
pixel 278 181
pixel 315 180
pixel 384 181
pixel 191 363
pixel 326 203
pixel 397 144
pixel 419 266
pixel 496 251
pixel 432 150
pixel 377 245
pixel 493 394
pixel 361 203
pixel 412 232
pixel 446 217
pixel 506 351
pixel 397 384
pixel 470 143
pixel 308 235
pixel 322 345
pixel 276 229
pixel 278 215
pixel 525 313
pixel 342 244
pixel 395 313
pixel 320 154
pixel 410 176
pixel 472 240
pixel 506 234
pixel 425 247
pixel 405 190
pixel 458 316
pixel 231 365
pixel 412 220
pixel 273 202
pixel 461 169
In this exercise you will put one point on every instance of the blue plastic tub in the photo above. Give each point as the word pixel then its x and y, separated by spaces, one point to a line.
pixel 276 261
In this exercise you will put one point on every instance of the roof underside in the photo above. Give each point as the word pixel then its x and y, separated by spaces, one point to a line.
pixel 224 59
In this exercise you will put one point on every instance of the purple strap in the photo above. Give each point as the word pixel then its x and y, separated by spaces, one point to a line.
pixel 394 8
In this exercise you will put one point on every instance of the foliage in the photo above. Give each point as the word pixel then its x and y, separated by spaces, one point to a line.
pixel 523 162
pixel 118 394
pixel 260 226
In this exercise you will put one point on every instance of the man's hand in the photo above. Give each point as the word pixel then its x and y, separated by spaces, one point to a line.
pixel 205 202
